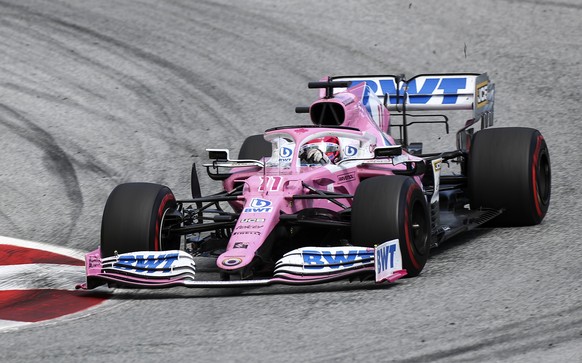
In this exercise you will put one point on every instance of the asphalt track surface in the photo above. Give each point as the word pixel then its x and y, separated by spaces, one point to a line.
pixel 97 93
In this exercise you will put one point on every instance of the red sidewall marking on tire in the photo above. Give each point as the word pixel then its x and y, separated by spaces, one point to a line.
pixel 534 167
pixel 167 197
pixel 407 230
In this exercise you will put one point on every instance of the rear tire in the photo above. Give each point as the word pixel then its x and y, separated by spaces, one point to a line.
pixel 393 207
pixel 136 218
pixel 509 168
pixel 255 147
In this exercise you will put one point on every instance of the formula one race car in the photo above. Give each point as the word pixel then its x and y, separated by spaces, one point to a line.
pixel 346 197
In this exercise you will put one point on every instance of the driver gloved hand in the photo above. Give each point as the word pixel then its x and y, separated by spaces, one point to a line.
pixel 315 156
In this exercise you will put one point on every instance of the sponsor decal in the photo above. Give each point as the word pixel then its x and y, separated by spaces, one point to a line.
pixel 481 92
pixel 350 151
pixel 346 177
pixel 259 205
pixel 142 263
pixel 436 166
pixel 232 261
pixel 247 232
pixel 250 226
pixel 422 89
pixel 285 153
pixel 385 256
pixel 313 259
pixel 379 161
pixel 252 220
pixel 94 261
pixel 241 245
pixel 387 260
pixel 270 183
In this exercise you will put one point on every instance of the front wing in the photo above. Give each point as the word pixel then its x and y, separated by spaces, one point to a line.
pixel 304 266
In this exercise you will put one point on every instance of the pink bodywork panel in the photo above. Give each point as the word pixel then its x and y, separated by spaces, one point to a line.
pixel 268 192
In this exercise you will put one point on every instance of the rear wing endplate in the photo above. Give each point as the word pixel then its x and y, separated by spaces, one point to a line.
pixel 430 92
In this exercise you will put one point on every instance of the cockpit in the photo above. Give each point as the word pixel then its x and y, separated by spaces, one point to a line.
pixel 308 147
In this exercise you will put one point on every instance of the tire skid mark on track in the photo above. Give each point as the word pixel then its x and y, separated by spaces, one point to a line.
pixel 129 82
pixel 37 89
pixel 57 161
pixel 557 4
pixel 512 339
pixel 209 53
pixel 306 40
pixel 241 17
pixel 40 275
pixel 109 71
pixel 210 99
pixel 306 37
pixel 11 221
pixel 82 158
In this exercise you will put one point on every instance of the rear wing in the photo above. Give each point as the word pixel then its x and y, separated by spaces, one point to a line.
pixel 431 92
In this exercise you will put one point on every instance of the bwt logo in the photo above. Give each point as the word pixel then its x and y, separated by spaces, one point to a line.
pixel 350 151
pixel 421 93
pixel 285 152
pixel 320 259
pixel 259 205
pixel 150 264
pixel 385 257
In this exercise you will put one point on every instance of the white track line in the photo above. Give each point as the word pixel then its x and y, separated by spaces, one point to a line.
pixel 7 324
pixel 78 254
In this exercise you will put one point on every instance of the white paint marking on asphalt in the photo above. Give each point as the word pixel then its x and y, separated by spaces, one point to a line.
pixel 7 324
pixel 80 255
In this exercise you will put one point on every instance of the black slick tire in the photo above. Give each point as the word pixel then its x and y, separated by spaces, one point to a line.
pixel 136 218
pixel 509 168
pixel 393 207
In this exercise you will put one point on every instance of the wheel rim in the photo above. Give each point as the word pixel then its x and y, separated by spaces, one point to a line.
pixel 163 231
pixel 166 240
pixel 418 227
pixel 165 219
pixel 543 179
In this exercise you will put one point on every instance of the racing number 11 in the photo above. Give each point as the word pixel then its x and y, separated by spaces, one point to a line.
pixel 270 183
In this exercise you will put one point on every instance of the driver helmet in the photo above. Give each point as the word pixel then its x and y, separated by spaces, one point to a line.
pixel 329 145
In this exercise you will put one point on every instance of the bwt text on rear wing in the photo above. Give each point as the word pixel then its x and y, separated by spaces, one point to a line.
pixel 431 92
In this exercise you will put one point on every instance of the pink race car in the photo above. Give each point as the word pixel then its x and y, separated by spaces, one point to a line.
pixel 341 198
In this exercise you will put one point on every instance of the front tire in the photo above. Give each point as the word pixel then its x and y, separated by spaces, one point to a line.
pixel 509 168
pixel 393 207
pixel 137 217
